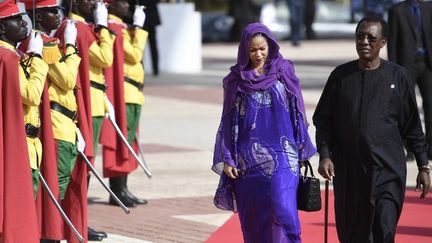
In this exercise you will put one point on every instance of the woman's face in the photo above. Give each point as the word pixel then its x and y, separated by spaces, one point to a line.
pixel 258 51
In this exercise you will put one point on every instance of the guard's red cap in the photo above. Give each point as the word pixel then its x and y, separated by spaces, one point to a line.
pixel 39 4
pixel 8 8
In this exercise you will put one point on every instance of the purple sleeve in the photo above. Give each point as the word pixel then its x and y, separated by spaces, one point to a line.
pixel 223 149
pixel 304 144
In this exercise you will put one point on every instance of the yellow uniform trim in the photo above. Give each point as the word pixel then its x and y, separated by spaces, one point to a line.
pixel 76 17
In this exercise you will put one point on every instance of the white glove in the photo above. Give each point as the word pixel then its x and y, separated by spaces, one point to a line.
pixel 70 32
pixel 80 141
pixel 110 107
pixel 35 44
pixel 139 16
pixel 100 14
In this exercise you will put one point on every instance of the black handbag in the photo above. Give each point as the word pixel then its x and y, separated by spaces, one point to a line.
pixel 308 192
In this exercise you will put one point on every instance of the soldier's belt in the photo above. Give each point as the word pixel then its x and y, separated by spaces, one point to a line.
pixel 98 86
pixel 31 131
pixel 65 111
pixel 139 86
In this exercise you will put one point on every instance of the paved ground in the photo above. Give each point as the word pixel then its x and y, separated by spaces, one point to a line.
pixel 178 126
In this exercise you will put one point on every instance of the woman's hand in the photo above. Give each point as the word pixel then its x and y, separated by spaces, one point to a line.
pixel 230 171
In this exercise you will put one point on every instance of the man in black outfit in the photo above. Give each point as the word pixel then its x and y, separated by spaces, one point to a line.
pixel 309 18
pixel 410 45
pixel 244 12
pixel 367 109
pixel 152 20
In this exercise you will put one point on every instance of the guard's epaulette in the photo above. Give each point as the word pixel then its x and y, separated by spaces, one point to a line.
pixel 50 52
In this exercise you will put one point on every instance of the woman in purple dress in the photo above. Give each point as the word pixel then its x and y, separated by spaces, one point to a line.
pixel 261 140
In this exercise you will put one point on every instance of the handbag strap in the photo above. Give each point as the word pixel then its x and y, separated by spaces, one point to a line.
pixel 308 167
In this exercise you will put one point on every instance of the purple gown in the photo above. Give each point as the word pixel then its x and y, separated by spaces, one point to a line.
pixel 263 129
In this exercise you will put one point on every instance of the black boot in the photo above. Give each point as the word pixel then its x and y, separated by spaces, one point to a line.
pixel 94 235
pixel 133 198
pixel 117 186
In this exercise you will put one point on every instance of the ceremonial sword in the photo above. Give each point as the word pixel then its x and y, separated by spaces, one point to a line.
pixel 111 118
pixel 80 148
pixel 57 205
pixel 140 149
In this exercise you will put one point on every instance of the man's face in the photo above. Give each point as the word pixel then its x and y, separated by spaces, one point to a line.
pixel 85 7
pixel 369 41
pixel 13 29
pixel 49 18
pixel 121 8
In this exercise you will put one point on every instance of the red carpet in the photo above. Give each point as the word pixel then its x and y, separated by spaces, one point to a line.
pixel 415 224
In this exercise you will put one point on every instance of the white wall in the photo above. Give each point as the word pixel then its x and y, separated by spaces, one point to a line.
pixel 178 39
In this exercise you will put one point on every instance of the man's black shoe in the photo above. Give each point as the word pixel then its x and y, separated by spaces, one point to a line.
pixel 94 237
pixel 94 232
pixel 123 198
pixel 134 199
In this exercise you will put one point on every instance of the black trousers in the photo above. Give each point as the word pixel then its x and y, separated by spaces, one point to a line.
pixel 153 49
pixel 421 73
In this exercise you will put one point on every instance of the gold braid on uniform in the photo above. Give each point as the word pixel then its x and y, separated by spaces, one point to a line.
pixel 50 52
pixel 68 55
pixel 25 64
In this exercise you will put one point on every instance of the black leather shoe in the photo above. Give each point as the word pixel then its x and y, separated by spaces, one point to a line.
pixel 101 233
pixel 123 198
pixel 94 236
pixel 134 199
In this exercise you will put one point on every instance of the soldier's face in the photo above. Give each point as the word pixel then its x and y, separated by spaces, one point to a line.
pixel 121 8
pixel 369 40
pixel 85 7
pixel 13 29
pixel 49 18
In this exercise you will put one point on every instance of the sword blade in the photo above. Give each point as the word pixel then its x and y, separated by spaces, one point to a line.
pixel 124 140
pixel 141 150
pixel 93 170
pixel 57 205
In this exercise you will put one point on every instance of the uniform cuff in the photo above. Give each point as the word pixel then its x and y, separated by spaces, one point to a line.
pixel 324 152
pixel 421 158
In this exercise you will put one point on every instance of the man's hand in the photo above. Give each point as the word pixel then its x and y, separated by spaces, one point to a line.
pixel 100 14
pixel 139 16
pixel 80 141
pixel 423 182
pixel 35 43
pixel 110 107
pixel 70 32
pixel 230 171
pixel 326 169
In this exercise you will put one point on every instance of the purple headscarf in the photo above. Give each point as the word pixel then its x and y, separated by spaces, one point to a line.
pixel 243 78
